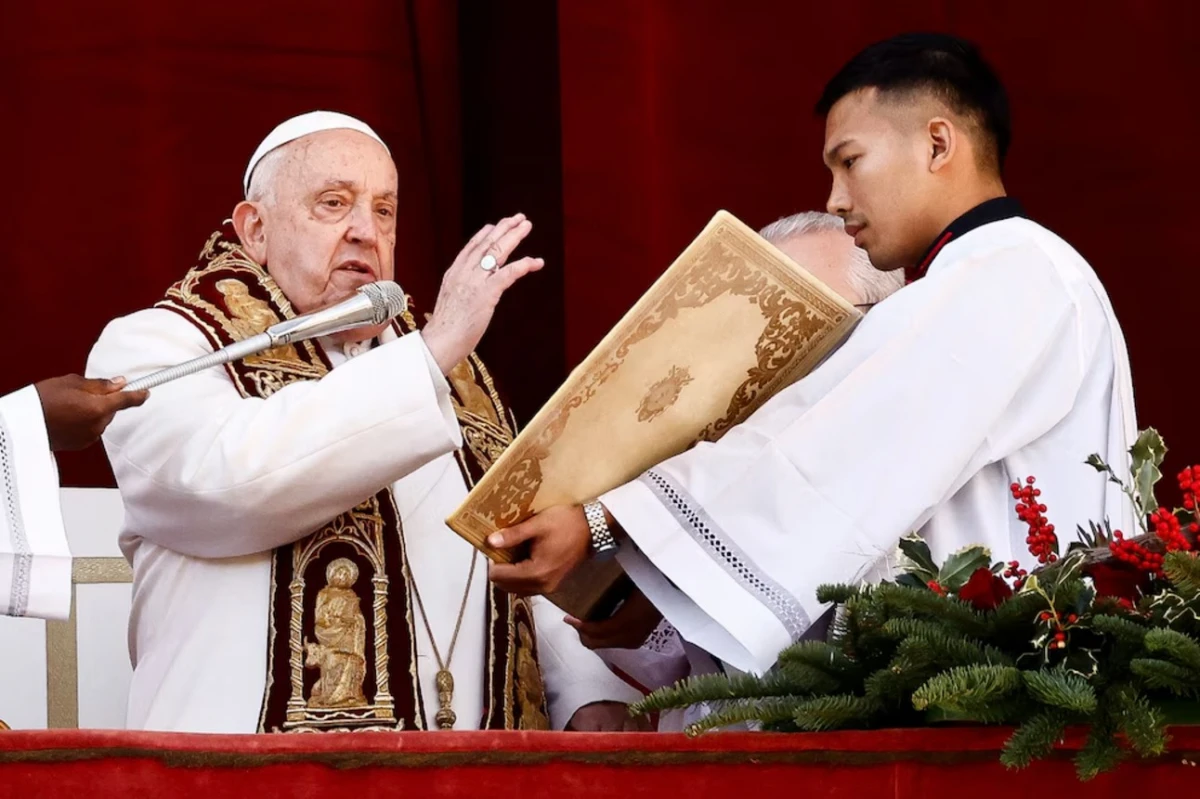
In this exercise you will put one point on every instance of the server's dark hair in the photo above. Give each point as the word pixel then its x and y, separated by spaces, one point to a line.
pixel 949 67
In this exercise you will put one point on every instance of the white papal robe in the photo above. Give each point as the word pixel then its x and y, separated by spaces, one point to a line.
pixel 35 562
pixel 213 482
pixel 1005 361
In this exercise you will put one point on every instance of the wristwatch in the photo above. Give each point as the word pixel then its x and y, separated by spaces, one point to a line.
pixel 604 545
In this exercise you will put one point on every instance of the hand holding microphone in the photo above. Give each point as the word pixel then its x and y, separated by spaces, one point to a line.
pixel 374 304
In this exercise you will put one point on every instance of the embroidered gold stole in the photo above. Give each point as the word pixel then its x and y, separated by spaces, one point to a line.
pixel 341 640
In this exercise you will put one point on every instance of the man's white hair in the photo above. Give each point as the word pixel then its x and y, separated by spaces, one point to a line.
pixel 266 176
pixel 871 284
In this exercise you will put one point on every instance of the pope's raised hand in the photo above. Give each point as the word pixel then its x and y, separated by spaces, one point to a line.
pixel 470 289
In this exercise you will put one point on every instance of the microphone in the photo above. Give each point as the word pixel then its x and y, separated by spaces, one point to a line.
pixel 374 304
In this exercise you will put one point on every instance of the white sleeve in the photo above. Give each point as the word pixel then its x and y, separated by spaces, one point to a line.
pixel 35 562
pixel 573 674
pixel 731 539
pixel 207 473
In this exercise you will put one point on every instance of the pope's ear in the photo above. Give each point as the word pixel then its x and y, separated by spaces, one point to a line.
pixel 251 230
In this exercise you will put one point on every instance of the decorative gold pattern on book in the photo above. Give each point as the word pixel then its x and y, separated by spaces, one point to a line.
pixel 800 324
pixel 663 394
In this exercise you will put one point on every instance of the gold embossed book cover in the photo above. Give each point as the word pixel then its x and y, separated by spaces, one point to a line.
pixel 727 326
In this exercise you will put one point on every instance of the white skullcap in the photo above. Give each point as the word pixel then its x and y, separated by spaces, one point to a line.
pixel 294 128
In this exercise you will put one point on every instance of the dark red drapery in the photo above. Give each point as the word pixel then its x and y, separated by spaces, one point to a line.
pixel 675 108
pixel 620 127
pixel 128 125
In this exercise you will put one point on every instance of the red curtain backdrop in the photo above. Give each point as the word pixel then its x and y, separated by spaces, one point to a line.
pixel 674 108
pixel 620 127
pixel 128 124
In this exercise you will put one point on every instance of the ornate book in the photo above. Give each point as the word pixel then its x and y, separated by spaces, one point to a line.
pixel 729 324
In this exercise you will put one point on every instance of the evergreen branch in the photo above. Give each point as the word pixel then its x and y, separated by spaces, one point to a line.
pixel 1121 629
pixel 835 712
pixel 1062 689
pixel 1004 711
pixel 822 656
pixel 1183 570
pixel 967 688
pixel 915 601
pixel 1163 674
pixel 836 593
pixel 800 679
pixel 858 631
pixel 726 687
pixel 893 686
pixel 1181 648
pixel 1033 739
pixel 1018 612
pixel 1141 723
pixel 769 710
pixel 929 641
pixel 1100 752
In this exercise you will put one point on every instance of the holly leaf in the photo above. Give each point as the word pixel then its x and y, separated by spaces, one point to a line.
pixel 1082 662
pixel 1083 602
pixel 1144 477
pixel 1069 567
pixel 959 567
pixel 920 560
pixel 1097 463
pixel 912 581
pixel 1149 448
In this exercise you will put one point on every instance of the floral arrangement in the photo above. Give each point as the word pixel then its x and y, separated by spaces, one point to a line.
pixel 1105 635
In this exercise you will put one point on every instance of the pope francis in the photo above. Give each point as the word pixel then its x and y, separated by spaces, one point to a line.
pixel 284 514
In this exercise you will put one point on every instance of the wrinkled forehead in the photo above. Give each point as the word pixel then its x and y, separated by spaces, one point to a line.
pixel 343 157
pixel 826 246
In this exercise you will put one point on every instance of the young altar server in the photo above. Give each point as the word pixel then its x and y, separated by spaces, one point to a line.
pixel 1001 359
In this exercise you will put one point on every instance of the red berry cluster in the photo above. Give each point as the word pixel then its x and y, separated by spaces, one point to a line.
pixel 1041 539
pixel 1014 572
pixel 936 587
pixel 1054 619
pixel 1169 530
pixel 1189 484
pixel 1135 554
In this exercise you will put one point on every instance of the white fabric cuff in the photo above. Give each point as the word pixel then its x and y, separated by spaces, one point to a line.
pixel 441 388
pixel 35 561
pixel 696 594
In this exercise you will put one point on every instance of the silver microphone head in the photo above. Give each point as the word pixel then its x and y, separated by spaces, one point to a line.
pixel 387 300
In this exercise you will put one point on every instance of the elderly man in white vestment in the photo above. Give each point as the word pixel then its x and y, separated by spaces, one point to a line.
pixel 285 514
pixel 1000 359
pixel 62 413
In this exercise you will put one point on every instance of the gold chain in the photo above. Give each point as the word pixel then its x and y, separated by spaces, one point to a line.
pixel 445 680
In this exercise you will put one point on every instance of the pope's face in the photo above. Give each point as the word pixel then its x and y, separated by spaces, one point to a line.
pixel 329 225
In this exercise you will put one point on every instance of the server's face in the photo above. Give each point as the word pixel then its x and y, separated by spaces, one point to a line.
pixel 885 178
